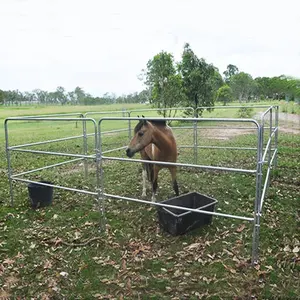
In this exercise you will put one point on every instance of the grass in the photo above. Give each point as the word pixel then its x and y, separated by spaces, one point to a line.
pixel 135 259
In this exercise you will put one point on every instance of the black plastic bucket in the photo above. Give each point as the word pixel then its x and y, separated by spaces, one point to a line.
pixel 178 222
pixel 40 195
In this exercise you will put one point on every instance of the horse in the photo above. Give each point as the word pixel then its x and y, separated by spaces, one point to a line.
pixel 154 140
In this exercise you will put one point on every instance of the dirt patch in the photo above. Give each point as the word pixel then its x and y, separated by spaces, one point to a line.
pixel 288 123
pixel 225 133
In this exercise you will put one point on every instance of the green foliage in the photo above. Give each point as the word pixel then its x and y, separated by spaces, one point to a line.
pixel 165 83
pixel 245 112
pixel 198 79
pixel 243 86
pixel 230 71
pixel 224 94
pixel 2 95
pixel 284 108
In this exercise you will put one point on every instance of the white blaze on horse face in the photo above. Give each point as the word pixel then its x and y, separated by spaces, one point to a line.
pixel 144 175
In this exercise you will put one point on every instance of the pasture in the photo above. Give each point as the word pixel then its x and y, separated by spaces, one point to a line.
pixel 58 253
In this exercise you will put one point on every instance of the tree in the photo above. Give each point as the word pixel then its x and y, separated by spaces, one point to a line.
pixel 164 82
pixel 217 81
pixel 2 97
pixel 60 94
pixel 224 94
pixel 230 71
pixel 80 94
pixel 242 85
pixel 173 94
pixel 197 79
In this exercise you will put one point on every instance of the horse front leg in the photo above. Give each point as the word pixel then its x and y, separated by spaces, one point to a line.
pixel 144 175
pixel 154 182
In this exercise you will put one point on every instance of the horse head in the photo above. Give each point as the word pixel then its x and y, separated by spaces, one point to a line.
pixel 143 132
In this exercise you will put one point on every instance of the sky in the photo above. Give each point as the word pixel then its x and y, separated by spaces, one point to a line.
pixel 102 46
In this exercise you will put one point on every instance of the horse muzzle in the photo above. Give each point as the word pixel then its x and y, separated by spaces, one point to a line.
pixel 129 152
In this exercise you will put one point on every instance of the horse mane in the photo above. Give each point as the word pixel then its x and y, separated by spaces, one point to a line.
pixel 154 122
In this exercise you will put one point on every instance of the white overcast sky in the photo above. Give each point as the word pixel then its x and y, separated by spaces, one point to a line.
pixel 102 46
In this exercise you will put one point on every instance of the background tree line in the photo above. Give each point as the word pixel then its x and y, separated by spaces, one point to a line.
pixel 190 82
pixel 61 97
pixel 194 82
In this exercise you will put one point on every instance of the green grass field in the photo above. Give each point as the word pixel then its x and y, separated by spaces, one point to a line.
pixel 58 253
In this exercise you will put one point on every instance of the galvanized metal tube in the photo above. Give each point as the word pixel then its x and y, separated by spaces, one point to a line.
pixel 56 186
pixel 195 143
pixel 112 150
pixel 115 130
pixel 46 142
pixel 53 115
pixel 234 120
pixel 129 127
pixel 233 106
pixel 225 128
pixel 268 146
pixel 179 164
pixel 271 134
pixel 265 113
pixel 85 148
pixel 182 127
pixel 179 207
pixel 256 223
pixel 104 112
pixel 48 119
pixel 161 109
pixel 225 147
pixel 9 169
pixel 47 167
pixel 266 184
pixel 276 134
pixel 100 182
pixel 53 153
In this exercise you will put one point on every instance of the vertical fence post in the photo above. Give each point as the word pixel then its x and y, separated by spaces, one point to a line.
pixel 276 135
pixel 195 137
pixel 100 185
pixel 270 145
pixel 9 169
pixel 257 214
pixel 85 146
pixel 129 126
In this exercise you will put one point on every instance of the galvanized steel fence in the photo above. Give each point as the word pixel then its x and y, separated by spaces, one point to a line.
pixel 266 154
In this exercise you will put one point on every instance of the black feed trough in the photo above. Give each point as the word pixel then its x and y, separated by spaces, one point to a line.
pixel 40 195
pixel 177 221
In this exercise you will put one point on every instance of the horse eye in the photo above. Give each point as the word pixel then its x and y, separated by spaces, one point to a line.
pixel 141 133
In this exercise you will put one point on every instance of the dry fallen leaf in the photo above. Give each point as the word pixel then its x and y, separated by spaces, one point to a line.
pixel 296 249
pixel 192 246
pixel 8 261
pixel 177 273
pixel 241 228
pixel 229 269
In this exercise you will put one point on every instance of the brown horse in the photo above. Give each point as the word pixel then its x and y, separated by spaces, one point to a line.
pixel 155 141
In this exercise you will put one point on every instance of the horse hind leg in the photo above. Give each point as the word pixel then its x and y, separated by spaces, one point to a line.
pixel 174 180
